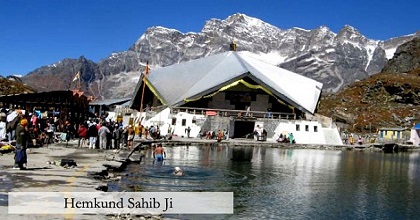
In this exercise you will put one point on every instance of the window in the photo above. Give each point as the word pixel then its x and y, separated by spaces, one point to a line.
pixel 184 122
pixel 306 127
pixel 315 128
pixel 174 121
pixel 194 120
pixel 297 127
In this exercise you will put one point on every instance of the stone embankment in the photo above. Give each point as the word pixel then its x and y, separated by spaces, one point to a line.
pixel 254 143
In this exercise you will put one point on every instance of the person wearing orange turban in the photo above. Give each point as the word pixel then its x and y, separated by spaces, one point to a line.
pixel 24 122
pixel 22 136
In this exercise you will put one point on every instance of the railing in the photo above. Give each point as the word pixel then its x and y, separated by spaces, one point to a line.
pixel 124 111
pixel 150 111
pixel 235 113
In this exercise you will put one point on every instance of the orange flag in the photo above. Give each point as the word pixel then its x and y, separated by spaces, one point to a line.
pixel 77 76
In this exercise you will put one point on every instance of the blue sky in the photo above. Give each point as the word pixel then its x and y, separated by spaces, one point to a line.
pixel 34 33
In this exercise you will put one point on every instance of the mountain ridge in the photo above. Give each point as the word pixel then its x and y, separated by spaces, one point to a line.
pixel 372 92
pixel 334 59
pixel 387 99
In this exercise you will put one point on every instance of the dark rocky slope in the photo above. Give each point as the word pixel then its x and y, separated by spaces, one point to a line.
pixel 387 99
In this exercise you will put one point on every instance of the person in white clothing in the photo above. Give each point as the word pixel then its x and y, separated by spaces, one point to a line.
pixel 103 133
pixel 2 129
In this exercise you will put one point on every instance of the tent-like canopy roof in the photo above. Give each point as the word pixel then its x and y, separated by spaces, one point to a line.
pixel 110 101
pixel 176 84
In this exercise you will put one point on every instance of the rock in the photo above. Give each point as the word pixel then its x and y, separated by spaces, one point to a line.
pixel 102 188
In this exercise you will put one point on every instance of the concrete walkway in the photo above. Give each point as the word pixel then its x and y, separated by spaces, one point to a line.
pixel 44 174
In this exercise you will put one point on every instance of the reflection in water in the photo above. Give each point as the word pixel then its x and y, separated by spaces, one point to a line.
pixel 272 183
pixel 241 154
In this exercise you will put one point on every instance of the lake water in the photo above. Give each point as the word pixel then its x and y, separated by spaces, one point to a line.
pixel 273 183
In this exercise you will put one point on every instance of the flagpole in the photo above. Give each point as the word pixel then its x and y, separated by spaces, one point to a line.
pixel 77 77
pixel 144 86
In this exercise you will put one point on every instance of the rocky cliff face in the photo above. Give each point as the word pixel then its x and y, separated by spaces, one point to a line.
pixel 60 75
pixel 13 85
pixel 334 59
pixel 387 99
pixel 406 58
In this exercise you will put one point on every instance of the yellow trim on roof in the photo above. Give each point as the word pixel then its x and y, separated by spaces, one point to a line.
pixel 153 90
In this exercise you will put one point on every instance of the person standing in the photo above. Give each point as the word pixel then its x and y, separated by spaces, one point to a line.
pixel 92 134
pixel 34 121
pixel 141 128
pixel 13 124
pixel 82 132
pixel 22 136
pixel 124 137
pixel 130 137
pixel 117 136
pixel 2 128
pixel 103 133
pixel 159 154
pixel 188 131
pixel 68 130
pixel 109 136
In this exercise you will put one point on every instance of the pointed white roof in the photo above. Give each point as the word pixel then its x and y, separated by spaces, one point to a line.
pixel 188 80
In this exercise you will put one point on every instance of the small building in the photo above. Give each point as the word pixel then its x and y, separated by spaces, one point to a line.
pixel 397 134
pixel 70 104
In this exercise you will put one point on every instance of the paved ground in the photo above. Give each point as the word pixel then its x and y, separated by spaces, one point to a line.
pixel 44 173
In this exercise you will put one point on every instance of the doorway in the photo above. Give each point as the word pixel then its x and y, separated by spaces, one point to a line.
pixel 243 129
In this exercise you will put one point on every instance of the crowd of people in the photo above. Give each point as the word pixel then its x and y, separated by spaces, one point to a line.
pixel 219 135
pixel 350 139
pixel 283 138
pixel 31 128
pixel 22 129
pixel 102 134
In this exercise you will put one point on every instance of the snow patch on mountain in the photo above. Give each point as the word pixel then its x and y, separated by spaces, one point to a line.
pixel 390 53
pixel 335 59
pixel 370 49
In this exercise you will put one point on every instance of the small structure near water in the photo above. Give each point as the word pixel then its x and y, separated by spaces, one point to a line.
pixel 415 135
pixel 396 134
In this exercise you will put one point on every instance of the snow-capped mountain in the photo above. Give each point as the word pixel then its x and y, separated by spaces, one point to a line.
pixel 335 59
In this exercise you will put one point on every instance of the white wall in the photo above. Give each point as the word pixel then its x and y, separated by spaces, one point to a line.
pixel 328 135
pixel 302 136
pixel 164 120
pixel 195 129
pixel 415 137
